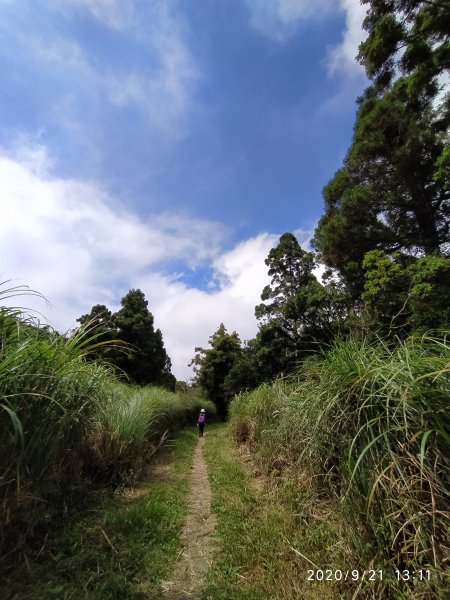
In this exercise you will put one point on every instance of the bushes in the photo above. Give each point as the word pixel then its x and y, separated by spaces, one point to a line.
pixel 371 426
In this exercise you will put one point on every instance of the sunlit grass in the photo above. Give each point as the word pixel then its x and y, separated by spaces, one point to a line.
pixel 367 426
pixel 259 533
pixel 120 547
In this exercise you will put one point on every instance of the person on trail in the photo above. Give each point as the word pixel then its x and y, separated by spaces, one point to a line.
pixel 201 422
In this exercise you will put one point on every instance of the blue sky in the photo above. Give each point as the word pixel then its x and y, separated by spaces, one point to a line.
pixel 166 145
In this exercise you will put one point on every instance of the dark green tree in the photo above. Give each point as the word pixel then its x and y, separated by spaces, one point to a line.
pixel 290 269
pixel 247 371
pixel 403 294
pixel 393 192
pixel 212 365
pixel 148 362
pixel 298 312
pixel 407 38
pixel 100 323
pixel 389 195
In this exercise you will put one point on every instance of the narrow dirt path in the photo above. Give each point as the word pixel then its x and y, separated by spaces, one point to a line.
pixel 199 543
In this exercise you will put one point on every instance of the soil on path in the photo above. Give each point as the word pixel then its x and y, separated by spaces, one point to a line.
pixel 199 545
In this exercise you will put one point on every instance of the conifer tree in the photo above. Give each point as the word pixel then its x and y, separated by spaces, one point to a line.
pixel 393 191
pixel 149 362
pixel 142 356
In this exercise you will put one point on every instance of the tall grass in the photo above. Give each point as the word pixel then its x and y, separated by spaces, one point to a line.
pixel 49 395
pixel 370 427
pixel 132 423
pixel 67 423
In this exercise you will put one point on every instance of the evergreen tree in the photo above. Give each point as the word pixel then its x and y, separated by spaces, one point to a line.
pixel 403 294
pixel 149 362
pixel 212 365
pixel 393 192
pixel 100 323
pixel 410 38
pixel 248 370
pixel 297 312
pixel 139 351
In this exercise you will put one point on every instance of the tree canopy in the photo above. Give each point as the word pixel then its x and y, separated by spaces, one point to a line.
pixel 392 193
pixel 212 366
pixel 297 310
pixel 101 323
pixel 142 356
pixel 407 37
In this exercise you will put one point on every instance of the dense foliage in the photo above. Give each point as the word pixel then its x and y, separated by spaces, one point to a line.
pixel 128 340
pixel 392 193
pixel 212 366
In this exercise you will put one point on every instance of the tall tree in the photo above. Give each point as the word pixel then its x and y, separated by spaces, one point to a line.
pixel 149 362
pixel 246 372
pixel 100 322
pixel 393 192
pixel 212 365
pixel 407 37
pixel 403 294
pixel 297 310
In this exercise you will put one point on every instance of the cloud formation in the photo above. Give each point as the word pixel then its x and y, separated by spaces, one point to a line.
pixel 280 19
pixel 115 14
pixel 342 58
pixel 76 245
pixel 159 87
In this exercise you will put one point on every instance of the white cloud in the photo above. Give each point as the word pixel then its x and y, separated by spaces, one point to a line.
pixel 291 10
pixel 278 19
pixel 163 90
pixel 242 270
pixel 73 243
pixel 342 58
pixel 189 316
pixel 160 86
pixel 115 14
pixel 31 154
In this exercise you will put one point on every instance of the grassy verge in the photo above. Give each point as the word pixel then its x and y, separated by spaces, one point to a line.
pixel 119 549
pixel 260 533
pixel 364 431
pixel 67 427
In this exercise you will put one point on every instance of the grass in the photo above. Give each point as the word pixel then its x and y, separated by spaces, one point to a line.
pixel 121 547
pixel 50 396
pixel 67 428
pixel 131 424
pixel 366 429
pixel 260 534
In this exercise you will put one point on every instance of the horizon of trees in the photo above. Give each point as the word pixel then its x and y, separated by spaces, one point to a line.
pixel 385 231
pixel 384 235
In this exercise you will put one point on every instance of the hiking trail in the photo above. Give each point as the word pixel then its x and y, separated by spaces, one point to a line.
pixel 199 545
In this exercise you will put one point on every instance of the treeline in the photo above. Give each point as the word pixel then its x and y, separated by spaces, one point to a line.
pixel 384 238
pixel 354 433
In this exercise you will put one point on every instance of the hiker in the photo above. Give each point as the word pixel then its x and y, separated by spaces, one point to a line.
pixel 201 422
